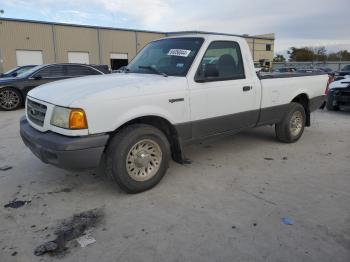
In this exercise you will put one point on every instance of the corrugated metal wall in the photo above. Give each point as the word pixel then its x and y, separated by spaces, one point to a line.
pixel 29 36
pixel 144 38
pixel 75 39
pixel 258 49
pixel 55 41
pixel 113 41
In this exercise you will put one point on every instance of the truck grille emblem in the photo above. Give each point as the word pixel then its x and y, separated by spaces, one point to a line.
pixel 33 112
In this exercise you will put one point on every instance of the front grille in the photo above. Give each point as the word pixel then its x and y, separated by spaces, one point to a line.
pixel 36 112
pixel 342 92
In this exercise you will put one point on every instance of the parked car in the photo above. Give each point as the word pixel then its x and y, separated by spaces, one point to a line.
pixel 14 90
pixel 346 69
pixel 338 94
pixel 16 71
pixel 309 70
pixel 132 123
pixel 326 70
pixel 285 70
pixel 339 75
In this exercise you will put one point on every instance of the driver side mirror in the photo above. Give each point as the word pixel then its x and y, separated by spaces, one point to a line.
pixel 14 74
pixel 38 77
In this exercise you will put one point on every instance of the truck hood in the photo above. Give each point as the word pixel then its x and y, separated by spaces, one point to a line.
pixel 106 87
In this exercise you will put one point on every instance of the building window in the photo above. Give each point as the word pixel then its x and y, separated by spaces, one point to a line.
pixel 268 47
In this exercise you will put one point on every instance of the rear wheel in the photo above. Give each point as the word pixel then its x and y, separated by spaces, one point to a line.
pixel 292 126
pixel 137 157
pixel 10 98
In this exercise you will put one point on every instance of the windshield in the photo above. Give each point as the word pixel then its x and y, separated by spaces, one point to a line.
pixel 29 72
pixel 23 69
pixel 346 68
pixel 172 56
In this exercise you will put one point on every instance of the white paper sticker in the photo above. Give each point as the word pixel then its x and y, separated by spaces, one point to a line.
pixel 179 52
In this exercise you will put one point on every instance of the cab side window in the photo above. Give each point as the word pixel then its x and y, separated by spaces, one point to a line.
pixel 222 61
pixel 78 70
pixel 55 71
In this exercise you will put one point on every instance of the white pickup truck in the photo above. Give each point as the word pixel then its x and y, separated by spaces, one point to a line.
pixel 177 90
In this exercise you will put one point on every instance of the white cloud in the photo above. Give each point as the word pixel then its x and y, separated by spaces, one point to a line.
pixel 296 23
pixel 150 12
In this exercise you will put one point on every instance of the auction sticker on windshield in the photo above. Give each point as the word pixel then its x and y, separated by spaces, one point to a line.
pixel 179 52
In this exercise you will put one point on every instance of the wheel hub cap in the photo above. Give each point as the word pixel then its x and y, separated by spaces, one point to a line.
pixel 8 99
pixel 296 123
pixel 143 160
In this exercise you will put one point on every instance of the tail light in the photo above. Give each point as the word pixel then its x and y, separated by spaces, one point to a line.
pixel 331 78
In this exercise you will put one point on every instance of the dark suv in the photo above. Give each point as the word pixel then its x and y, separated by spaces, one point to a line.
pixel 14 90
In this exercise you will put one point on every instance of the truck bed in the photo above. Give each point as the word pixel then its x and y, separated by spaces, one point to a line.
pixel 278 89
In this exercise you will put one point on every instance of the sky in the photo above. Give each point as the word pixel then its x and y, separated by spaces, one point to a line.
pixel 296 23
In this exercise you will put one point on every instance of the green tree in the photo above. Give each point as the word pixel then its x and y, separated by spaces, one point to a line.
pixel 303 54
pixel 310 54
pixel 320 53
pixel 342 55
pixel 279 58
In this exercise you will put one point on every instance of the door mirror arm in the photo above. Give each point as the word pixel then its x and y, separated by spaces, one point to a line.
pixel 200 76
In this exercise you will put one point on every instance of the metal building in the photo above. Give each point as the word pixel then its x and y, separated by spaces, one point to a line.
pixel 33 42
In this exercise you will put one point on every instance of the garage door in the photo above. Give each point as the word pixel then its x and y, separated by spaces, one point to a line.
pixel 118 60
pixel 78 57
pixel 29 57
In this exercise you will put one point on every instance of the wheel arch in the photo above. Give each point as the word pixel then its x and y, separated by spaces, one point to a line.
pixel 304 100
pixel 166 127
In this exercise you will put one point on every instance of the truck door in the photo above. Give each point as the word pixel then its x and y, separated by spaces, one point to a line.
pixel 223 98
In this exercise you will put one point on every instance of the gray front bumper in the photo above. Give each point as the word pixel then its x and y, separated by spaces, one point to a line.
pixel 63 151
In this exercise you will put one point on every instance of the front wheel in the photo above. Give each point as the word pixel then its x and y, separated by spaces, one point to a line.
pixel 137 157
pixel 10 98
pixel 292 126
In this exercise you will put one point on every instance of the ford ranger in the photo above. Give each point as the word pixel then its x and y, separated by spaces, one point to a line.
pixel 177 90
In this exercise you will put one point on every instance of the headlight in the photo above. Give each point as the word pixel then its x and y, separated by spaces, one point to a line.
pixel 69 118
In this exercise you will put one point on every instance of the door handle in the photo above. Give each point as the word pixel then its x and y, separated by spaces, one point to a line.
pixel 176 100
pixel 247 88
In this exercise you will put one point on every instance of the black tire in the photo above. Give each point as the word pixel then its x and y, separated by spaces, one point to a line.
pixel 284 129
pixel 10 99
pixel 119 149
pixel 329 104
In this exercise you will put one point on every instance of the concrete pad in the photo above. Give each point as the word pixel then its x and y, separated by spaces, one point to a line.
pixel 227 205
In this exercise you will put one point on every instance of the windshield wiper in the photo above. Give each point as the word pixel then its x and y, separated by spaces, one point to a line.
pixel 154 69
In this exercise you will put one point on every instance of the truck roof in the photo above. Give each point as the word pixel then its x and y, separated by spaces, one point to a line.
pixel 208 36
pixel 267 37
